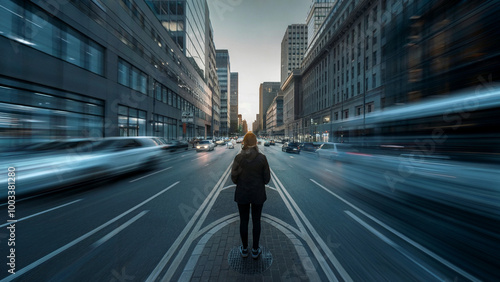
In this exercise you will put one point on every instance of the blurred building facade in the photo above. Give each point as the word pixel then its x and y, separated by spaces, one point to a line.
pixel 233 105
pixel 368 55
pixel 72 71
pixel 224 76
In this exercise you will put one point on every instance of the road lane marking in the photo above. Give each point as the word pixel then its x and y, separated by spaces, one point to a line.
pixel 81 238
pixel 309 239
pixel 185 248
pixel 117 230
pixel 168 255
pixel 403 237
pixel 392 244
pixel 149 174
pixel 46 211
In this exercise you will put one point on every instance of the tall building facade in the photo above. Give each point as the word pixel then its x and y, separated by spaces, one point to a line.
pixel 110 76
pixel 369 55
pixel 224 74
pixel 187 22
pixel 267 92
pixel 318 12
pixel 293 48
pixel 233 104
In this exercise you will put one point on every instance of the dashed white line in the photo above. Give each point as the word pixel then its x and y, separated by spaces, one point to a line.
pixel 149 174
pixel 46 211
pixel 81 238
pixel 117 230
pixel 392 244
pixel 403 237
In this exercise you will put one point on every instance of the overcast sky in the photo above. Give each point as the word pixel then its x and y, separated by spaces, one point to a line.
pixel 252 30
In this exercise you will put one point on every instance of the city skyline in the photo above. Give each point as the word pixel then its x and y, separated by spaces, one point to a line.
pixel 252 32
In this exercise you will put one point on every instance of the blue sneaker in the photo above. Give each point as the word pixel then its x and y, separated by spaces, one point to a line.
pixel 243 252
pixel 256 253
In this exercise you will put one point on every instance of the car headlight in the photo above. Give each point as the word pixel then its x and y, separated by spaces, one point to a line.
pixel 197 147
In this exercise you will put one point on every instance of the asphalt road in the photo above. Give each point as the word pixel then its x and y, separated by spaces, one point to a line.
pixel 375 218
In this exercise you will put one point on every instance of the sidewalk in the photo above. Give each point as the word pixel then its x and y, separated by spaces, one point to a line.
pixel 219 258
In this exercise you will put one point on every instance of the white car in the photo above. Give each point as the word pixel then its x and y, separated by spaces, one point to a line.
pixel 229 145
pixel 205 145
pixel 335 151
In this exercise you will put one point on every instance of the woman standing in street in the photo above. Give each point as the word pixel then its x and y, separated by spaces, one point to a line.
pixel 250 173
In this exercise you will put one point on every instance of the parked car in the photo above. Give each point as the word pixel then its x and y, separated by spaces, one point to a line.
pixel 292 147
pixel 205 145
pixel 335 151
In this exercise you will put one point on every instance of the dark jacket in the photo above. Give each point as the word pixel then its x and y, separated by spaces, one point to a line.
pixel 250 173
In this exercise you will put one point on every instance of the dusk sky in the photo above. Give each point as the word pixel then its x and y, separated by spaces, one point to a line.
pixel 252 30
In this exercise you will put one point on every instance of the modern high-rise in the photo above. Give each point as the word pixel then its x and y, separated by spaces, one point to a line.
pixel 267 92
pixel 293 47
pixel 233 104
pixel 317 14
pixel 187 22
pixel 224 74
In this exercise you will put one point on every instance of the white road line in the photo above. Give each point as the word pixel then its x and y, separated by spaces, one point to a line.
pixel 182 252
pixel 168 255
pixel 149 174
pixel 403 237
pixel 392 244
pixel 81 238
pixel 319 257
pixel 117 230
pixel 46 211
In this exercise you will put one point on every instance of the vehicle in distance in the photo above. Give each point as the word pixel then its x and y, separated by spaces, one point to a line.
pixel 335 151
pixel 272 143
pixel 291 147
pixel 173 145
pixel 205 145
pixel 267 143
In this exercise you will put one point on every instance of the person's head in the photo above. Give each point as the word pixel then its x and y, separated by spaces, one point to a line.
pixel 249 140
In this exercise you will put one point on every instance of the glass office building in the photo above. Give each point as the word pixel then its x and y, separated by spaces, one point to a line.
pixel 72 71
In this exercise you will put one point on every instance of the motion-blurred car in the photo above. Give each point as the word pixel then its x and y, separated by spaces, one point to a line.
pixel 335 151
pixel 291 147
pixel 173 145
pixel 239 140
pixel 74 164
pixel 229 145
pixel 267 143
pixel 205 145
pixel 272 143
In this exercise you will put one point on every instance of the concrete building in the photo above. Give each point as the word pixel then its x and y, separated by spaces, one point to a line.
pixel 274 119
pixel 267 92
pixel 109 76
pixel 224 74
pixel 293 47
pixel 233 104
pixel 369 55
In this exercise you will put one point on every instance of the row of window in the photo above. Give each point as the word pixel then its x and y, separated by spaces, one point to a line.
pixel 28 117
pixel 31 26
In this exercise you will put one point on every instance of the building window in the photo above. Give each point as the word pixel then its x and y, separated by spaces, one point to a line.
pixel 131 77
pixel 131 122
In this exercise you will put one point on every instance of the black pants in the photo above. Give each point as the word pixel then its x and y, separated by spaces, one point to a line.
pixel 244 210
